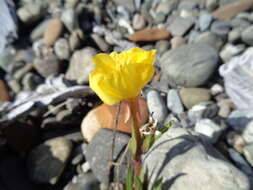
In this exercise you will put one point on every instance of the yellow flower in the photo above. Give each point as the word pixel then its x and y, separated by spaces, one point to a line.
pixel 120 76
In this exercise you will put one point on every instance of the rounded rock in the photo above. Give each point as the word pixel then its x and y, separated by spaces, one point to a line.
pixel 53 31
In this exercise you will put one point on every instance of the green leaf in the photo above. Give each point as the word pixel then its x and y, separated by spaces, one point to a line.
pixel 158 184
pixel 166 127
pixel 138 183
pixel 133 144
pixel 129 179
pixel 148 142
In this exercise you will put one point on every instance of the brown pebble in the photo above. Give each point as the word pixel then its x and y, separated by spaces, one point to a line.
pixel 149 35
pixel 104 116
pixel 231 10
pixel 4 95
pixel 53 31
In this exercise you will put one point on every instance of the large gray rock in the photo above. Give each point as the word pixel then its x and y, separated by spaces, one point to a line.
pixel 238 79
pixel 247 36
pixel 189 65
pixel 183 162
pixel 81 65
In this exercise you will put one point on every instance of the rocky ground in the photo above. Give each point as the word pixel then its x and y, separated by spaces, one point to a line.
pixel 203 83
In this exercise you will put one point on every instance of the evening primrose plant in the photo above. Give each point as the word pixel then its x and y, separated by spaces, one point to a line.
pixel 121 77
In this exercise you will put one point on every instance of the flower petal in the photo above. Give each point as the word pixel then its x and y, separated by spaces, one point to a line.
pixel 103 62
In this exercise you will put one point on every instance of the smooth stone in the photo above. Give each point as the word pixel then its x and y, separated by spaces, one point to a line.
pixel 98 154
pixel 81 65
pixel 225 2
pixel 103 46
pixel 84 182
pixel 162 46
pixel 240 162
pixel 20 73
pixel 77 159
pixel 177 41
pixel 229 50
pixel 14 85
pixel 246 36
pixel 139 22
pixel 48 66
pixel 205 20
pixel 211 5
pixel 231 10
pixel 238 119
pixel 156 106
pixel 180 26
pixel 75 39
pixel 248 153
pixel 178 157
pixel 179 64
pixel 61 49
pixel 236 141
pixel 221 28
pixel 128 4
pixel 193 96
pixel 238 79
pixel 224 109
pixel 38 31
pixel 234 35
pixel 69 19
pixel 48 160
pixel 248 133
pixel 30 12
pixel 149 35
pixel 4 95
pixel 209 38
pixel 174 102
pixel 53 31
pixel 30 81
pixel 240 23
pixel 104 116
pixel 216 89
pixel 210 131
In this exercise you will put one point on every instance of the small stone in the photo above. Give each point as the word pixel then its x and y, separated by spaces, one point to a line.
pixel 103 46
pixel 248 153
pixel 177 41
pixel 48 160
pixel 53 31
pixel 159 18
pixel 156 106
pixel 234 35
pixel 210 39
pixel 174 102
pixel 149 35
pixel 209 130
pixel 162 46
pixel 221 28
pixel 4 95
pixel 216 89
pixel 179 26
pixel 30 12
pixel 205 21
pixel 138 22
pixel 63 115
pixel 77 159
pixel 47 66
pixel 224 109
pixel 248 133
pixel 98 154
pixel 240 162
pixel 211 4
pixel 69 18
pixel 61 49
pixel 236 141
pixel 20 73
pixel 30 81
pixel 38 31
pixel 193 96
pixel 75 39
pixel 230 50
pixel 231 10
pixel 81 65
pixel 85 167
pixel 246 36
pixel 14 85
pixel 240 23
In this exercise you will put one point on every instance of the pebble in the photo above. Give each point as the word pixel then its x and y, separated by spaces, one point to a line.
pixel 85 167
pixel 177 41
pixel 224 109
pixel 30 12
pixel 231 10
pixel 240 23
pixel 156 106
pixel 240 162
pixel 236 141
pixel 246 36
pixel 77 159
pixel 75 39
pixel 210 131
pixel 205 20
pixel 211 5
pixel 69 18
pixel 216 89
pixel 248 133
pixel 81 65
pixel 103 46
pixel 179 64
pixel 230 50
pixel 47 66
pixel 248 153
pixel 53 31
pixel 48 160
pixel 210 39
pixel 139 22
pixel 220 28
pixel 234 35
pixel 174 102
pixel 149 35
pixel 162 46
pixel 38 31
pixel 98 152
pixel 4 95
pixel 61 49
pixel 193 96
pixel 180 26
pixel 20 73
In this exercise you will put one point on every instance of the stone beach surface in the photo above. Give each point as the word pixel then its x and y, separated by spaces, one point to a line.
pixel 56 135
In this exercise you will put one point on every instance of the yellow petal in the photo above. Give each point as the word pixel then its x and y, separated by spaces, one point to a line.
pixel 103 62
